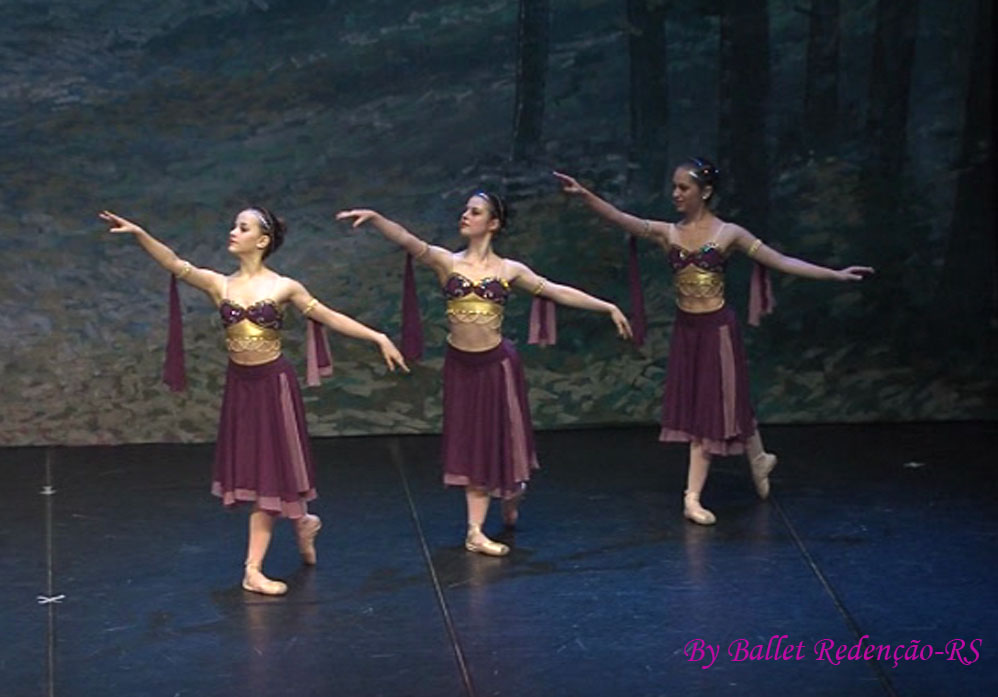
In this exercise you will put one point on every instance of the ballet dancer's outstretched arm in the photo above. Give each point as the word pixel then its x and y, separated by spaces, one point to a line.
pixel 211 282
pixel 746 242
pixel 654 230
pixel 525 279
pixel 437 258
pixel 299 296
pixel 290 290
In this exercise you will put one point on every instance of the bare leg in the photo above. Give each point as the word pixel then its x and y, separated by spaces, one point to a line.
pixel 261 529
pixel 696 477
pixel 761 463
pixel 476 541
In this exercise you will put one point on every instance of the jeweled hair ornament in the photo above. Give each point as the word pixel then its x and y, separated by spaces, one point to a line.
pixel 261 217
pixel 495 203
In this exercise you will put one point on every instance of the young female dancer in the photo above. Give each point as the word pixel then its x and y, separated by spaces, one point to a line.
pixel 706 401
pixel 262 455
pixel 488 443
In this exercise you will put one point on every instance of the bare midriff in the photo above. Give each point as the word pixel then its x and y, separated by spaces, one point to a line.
pixel 473 336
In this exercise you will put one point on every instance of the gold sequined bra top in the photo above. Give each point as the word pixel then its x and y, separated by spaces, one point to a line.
pixel 480 302
pixel 256 328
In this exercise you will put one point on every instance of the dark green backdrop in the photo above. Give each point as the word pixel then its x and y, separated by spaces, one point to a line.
pixel 852 132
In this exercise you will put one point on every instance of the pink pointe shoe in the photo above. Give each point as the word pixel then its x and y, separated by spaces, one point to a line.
pixel 762 464
pixel 306 528
pixel 255 582
pixel 693 511
pixel 476 541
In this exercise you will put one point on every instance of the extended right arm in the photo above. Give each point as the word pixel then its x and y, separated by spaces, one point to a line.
pixel 654 230
pixel 204 279
pixel 436 257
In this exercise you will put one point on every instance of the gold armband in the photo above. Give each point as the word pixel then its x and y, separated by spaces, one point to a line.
pixel 185 270
pixel 539 287
pixel 310 306
pixel 754 247
pixel 423 251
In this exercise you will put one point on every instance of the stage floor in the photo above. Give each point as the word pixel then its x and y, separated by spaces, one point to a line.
pixel 122 578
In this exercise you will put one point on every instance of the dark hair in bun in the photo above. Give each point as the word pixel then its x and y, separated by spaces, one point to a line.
pixel 703 172
pixel 273 226
pixel 496 205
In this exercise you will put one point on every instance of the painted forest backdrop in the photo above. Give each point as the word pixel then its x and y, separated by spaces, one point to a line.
pixel 847 132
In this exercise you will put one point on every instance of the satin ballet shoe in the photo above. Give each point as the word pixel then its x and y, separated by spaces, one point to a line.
pixel 511 507
pixel 255 582
pixel 306 529
pixel 761 465
pixel 693 511
pixel 476 541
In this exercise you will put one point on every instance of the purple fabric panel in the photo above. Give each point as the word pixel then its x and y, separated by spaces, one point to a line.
pixel 318 357
pixel 412 322
pixel 543 330
pixel 174 372
pixel 639 323
pixel 761 300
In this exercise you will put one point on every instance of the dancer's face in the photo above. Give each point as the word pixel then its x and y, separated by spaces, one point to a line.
pixel 687 195
pixel 247 234
pixel 477 218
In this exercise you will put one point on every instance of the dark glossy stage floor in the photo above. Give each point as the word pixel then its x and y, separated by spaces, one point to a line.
pixel 605 587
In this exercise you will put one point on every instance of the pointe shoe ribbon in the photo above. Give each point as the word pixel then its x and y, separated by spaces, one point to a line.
pixel 476 541
pixel 762 464
pixel 255 582
pixel 693 511
pixel 307 528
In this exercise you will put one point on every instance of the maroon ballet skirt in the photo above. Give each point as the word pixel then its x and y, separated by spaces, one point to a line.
pixel 263 454
pixel 488 437
pixel 706 384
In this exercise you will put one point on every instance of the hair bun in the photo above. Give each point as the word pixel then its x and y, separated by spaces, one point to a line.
pixel 274 227
pixel 704 171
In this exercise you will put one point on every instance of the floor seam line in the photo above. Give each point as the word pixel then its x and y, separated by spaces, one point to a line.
pixel 847 617
pixel 469 687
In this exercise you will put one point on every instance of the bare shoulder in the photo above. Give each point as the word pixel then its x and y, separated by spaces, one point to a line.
pixel 736 229
pixel 285 287
pixel 729 233
pixel 661 231
pixel 514 269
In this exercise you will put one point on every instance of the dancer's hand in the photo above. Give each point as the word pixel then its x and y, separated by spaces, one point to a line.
pixel 623 326
pixel 853 273
pixel 359 216
pixel 569 185
pixel 119 224
pixel 391 354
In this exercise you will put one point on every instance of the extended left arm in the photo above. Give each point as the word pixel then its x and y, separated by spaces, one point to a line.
pixel 339 322
pixel 525 279
pixel 767 256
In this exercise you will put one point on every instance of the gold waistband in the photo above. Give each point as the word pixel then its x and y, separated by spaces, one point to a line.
pixel 244 336
pixel 694 282
pixel 474 311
